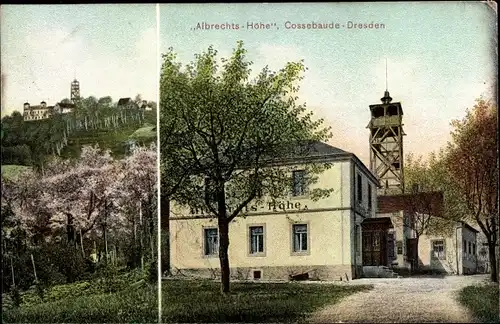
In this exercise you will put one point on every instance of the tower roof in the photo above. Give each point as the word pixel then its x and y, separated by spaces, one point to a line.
pixel 386 98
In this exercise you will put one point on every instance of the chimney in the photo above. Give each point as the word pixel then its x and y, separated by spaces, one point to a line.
pixel 26 105
pixel 43 104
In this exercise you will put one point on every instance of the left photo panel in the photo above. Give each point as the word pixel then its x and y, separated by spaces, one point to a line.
pixel 79 163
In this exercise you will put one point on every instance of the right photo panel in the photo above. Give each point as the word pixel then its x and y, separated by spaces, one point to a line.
pixel 329 162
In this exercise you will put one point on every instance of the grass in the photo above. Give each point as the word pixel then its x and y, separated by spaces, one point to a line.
pixel 482 300
pixel 12 171
pixel 116 299
pixel 139 305
pixel 201 301
pixel 183 301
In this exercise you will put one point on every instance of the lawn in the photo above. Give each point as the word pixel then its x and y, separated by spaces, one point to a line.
pixel 11 171
pixel 201 301
pixel 482 300
pixel 113 300
pixel 184 301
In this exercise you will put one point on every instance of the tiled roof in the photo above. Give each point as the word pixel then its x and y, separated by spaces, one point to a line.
pixel 423 201
pixel 123 101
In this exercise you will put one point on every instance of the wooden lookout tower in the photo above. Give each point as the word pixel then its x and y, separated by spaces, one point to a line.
pixel 386 145
pixel 75 91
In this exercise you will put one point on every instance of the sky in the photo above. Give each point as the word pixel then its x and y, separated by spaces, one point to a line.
pixel 110 49
pixel 441 56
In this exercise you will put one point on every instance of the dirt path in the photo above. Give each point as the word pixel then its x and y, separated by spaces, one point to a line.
pixel 406 300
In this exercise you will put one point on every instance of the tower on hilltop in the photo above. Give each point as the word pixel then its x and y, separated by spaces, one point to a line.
pixel 386 145
pixel 75 91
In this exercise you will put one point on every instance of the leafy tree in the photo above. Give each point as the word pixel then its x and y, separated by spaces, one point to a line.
pixel 138 99
pixel 429 185
pixel 152 104
pixel 473 163
pixel 220 128
pixel 105 102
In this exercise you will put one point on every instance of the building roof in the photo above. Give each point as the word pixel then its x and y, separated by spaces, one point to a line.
pixel 320 148
pixel 123 101
pixel 470 228
pixel 319 151
pixel 430 202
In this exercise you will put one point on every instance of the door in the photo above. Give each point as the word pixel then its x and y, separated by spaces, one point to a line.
pixel 374 248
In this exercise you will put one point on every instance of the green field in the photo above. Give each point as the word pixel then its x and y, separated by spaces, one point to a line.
pixel 201 301
pixel 483 301
pixel 188 301
pixel 11 171
pixel 122 299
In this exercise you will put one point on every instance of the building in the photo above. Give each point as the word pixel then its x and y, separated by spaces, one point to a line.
pixel 295 236
pixel 43 111
pixel 38 112
pixel 450 251
pixel 64 107
pixel 126 103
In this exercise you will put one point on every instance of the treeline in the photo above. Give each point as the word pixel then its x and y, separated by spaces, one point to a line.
pixel 94 212
pixel 31 142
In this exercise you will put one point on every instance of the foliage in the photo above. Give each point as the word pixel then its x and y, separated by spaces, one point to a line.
pixel 30 143
pixel 431 176
pixel 11 172
pixel 78 208
pixel 220 128
pixel 482 301
pixel 472 161
pixel 137 304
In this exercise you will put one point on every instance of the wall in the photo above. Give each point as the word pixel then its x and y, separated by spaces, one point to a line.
pixel 469 260
pixel 330 233
pixel 447 265
pixel 363 206
pixel 328 244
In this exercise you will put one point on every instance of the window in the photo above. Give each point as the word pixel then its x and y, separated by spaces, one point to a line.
pixel 438 250
pixel 298 183
pixel 470 247
pixel 360 189
pixel 369 196
pixel 399 247
pixel 473 248
pixel 211 241
pixel 257 274
pixel 256 239
pixel 357 245
pixel 465 247
pixel 390 246
pixel 299 237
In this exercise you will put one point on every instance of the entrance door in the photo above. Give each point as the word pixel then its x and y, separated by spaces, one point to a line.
pixel 374 248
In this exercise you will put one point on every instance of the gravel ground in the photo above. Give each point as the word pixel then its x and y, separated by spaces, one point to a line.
pixel 405 300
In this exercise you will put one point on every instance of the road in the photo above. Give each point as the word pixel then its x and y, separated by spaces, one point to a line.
pixel 405 300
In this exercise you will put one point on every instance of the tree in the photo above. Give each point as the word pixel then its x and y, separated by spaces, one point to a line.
pixel 138 184
pixel 221 132
pixel 138 99
pixel 152 104
pixel 473 163
pixel 105 102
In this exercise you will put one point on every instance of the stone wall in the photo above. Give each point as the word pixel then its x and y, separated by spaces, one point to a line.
pixel 319 272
